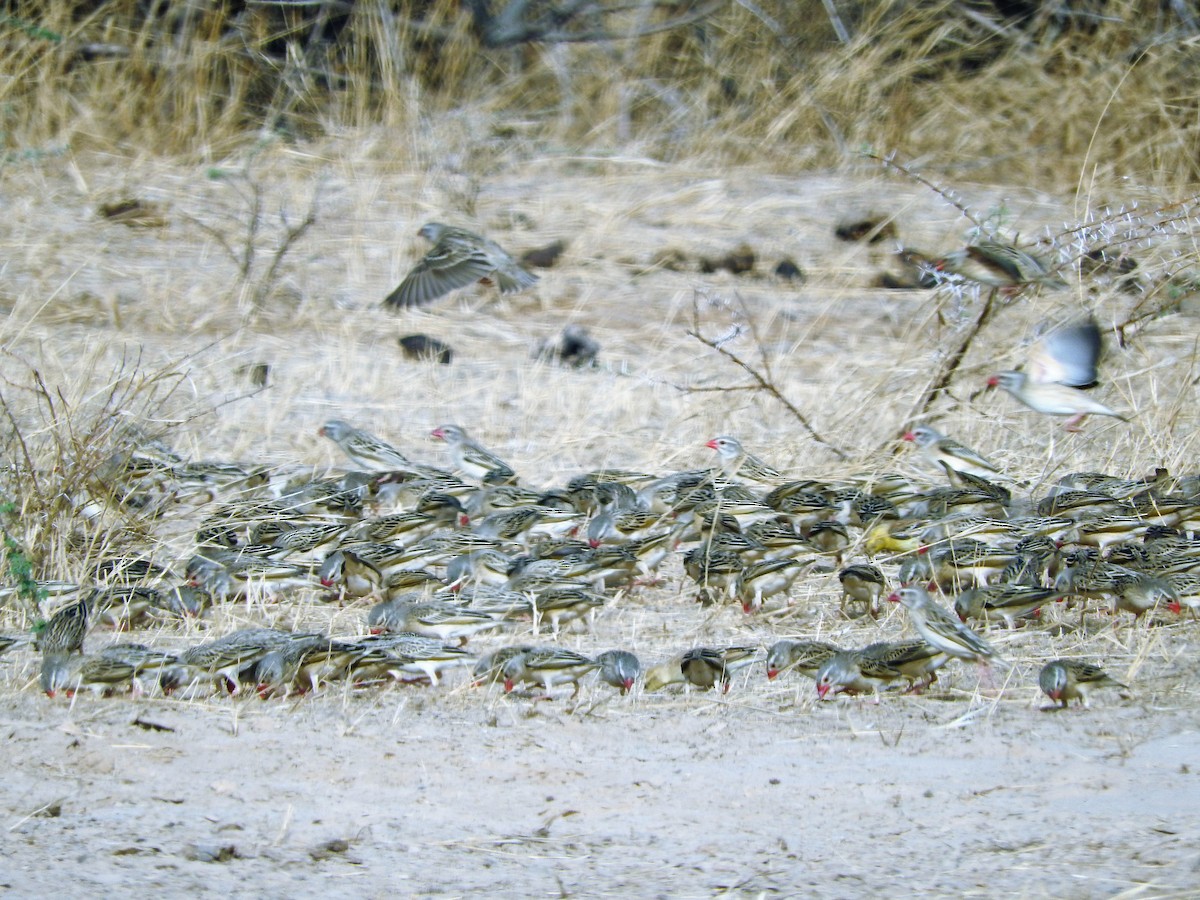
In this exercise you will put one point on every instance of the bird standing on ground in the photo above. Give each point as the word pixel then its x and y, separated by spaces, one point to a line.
pixel 458 258
pixel 807 657
pixel 620 668
pixel 364 449
pixel 1063 680
pixel 940 629
pixel 1060 365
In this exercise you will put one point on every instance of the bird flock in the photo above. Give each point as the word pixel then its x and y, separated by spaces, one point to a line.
pixel 469 567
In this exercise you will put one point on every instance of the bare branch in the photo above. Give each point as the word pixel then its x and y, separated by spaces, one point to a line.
pixel 761 382
pixel 951 363
pixel 291 236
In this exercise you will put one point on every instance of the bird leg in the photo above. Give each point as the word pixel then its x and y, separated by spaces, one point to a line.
pixel 1073 424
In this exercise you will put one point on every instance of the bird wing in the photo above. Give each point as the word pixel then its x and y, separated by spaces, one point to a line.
pixel 1068 355
pixel 450 265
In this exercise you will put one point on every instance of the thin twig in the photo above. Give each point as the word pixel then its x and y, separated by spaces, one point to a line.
pixel 951 363
pixel 291 236
pixel 762 382
pixel 889 162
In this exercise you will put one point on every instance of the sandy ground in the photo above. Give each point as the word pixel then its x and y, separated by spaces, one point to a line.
pixel 972 789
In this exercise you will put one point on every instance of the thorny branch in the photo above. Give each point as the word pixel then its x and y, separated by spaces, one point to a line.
pixel 761 376
pixel 951 363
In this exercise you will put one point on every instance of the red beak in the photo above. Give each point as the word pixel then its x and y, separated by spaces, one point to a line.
pixel 893 598
pixel 909 436
pixel 712 445
pixel 993 381
pixel 771 673
pixel 822 690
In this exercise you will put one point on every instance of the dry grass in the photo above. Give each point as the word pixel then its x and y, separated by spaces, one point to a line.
pixel 1095 98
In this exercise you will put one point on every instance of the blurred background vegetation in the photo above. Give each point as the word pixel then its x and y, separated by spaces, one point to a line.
pixel 1047 93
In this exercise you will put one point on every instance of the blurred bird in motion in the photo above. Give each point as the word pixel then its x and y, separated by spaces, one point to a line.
pixel 458 258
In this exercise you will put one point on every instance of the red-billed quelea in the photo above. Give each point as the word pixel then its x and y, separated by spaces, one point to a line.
pixel 1064 680
pixel 706 668
pixel 763 579
pixel 619 668
pixel 945 451
pixel 547 666
pixel 940 629
pixel 458 258
pixel 364 449
pixel 914 659
pixel 733 461
pixel 999 265
pixel 1060 365
pixel 472 458
pixel 848 671
pixel 862 583
pixel 806 657
pixel 1009 601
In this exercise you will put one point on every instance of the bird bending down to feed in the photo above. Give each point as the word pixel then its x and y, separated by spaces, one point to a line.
pixel 1063 680
pixel 458 258
pixel 1060 365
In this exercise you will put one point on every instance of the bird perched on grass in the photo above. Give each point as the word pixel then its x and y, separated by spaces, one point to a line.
pixel 458 258
pixel 941 629
pixel 942 450
pixel 1061 364
pixel 1063 680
